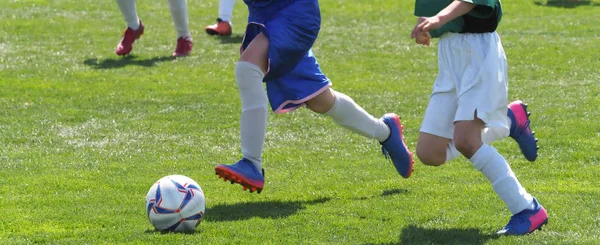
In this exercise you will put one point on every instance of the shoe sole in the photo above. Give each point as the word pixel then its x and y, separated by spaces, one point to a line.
pixel 216 33
pixel 527 233
pixel 181 55
pixel 396 119
pixel 520 107
pixel 234 177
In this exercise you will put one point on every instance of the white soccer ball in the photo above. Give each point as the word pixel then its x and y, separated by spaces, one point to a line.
pixel 175 203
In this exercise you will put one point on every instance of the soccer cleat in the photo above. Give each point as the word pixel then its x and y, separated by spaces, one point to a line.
pixel 520 129
pixel 129 36
pixel 221 28
pixel 244 173
pixel 526 221
pixel 184 47
pixel 395 148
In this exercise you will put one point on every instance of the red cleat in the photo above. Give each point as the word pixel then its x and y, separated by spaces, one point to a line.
pixel 221 28
pixel 184 47
pixel 129 36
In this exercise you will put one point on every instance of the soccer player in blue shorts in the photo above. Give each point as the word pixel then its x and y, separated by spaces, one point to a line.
pixel 470 95
pixel 276 50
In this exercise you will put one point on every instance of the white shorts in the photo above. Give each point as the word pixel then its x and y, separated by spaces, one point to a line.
pixel 472 78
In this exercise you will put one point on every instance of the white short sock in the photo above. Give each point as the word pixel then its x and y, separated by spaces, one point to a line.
pixel 505 183
pixel 226 9
pixel 253 121
pixel 489 135
pixel 179 13
pixel 129 13
pixel 348 114
pixel 451 152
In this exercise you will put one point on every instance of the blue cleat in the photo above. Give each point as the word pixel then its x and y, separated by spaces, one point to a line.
pixel 520 129
pixel 244 173
pixel 395 148
pixel 526 221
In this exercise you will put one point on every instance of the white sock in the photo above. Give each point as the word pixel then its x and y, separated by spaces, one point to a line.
pixel 489 135
pixel 129 13
pixel 505 184
pixel 179 13
pixel 226 9
pixel 451 152
pixel 346 113
pixel 253 121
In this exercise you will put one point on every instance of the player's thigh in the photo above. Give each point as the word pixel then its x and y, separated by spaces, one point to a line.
pixel 439 115
pixel 483 83
pixel 437 127
pixel 257 52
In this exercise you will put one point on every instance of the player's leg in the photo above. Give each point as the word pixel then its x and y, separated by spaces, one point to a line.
pixel 482 98
pixel 346 113
pixel 387 130
pixel 488 135
pixel 434 146
pixel 485 158
pixel 179 13
pixel 494 166
pixel 249 74
pixel 128 10
pixel 519 129
pixel 272 48
pixel 226 9
pixel 134 29
pixel 435 150
pixel 223 25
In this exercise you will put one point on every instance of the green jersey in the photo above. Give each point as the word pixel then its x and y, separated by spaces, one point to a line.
pixel 483 18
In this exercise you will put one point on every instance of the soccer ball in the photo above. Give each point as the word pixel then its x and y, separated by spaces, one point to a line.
pixel 175 203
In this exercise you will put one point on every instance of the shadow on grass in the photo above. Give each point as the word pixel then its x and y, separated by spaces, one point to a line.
pixel 269 210
pixel 566 3
pixel 418 235
pixel 111 63
pixel 156 231
pixel 385 193
pixel 395 191
pixel 235 38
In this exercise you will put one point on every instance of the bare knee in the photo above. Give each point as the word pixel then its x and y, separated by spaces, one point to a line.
pixel 318 108
pixel 322 103
pixel 430 158
pixel 467 137
pixel 431 149
pixel 467 146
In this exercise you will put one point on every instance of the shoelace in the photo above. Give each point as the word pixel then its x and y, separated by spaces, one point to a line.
pixel 262 171
pixel 129 35
pixel 181 45
pixel 385 153
pixel 520 131
pixel 516 219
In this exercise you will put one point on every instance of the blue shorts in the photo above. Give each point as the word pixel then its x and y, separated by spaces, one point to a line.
pixel 292 26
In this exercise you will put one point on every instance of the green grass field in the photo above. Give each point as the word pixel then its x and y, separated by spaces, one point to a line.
pixel 85 133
